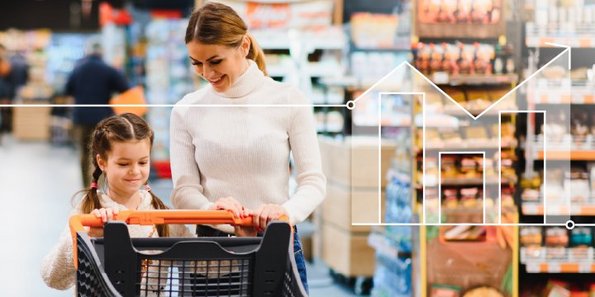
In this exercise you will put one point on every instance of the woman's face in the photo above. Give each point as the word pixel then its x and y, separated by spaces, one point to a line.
pixel 220 65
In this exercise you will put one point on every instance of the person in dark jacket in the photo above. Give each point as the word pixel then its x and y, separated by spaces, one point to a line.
pixel 5 91
pixel 92 82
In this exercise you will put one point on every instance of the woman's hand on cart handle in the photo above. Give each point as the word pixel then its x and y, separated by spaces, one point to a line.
pixel 266 213
pixel 231 204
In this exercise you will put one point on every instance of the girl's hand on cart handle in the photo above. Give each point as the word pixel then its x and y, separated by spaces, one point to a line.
pixel 266 213
pixel 106 214
pixel 231 204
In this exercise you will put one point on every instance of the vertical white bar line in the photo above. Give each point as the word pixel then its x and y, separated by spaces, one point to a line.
pixel 544 195
pixel 379 158
pixel 440 188
pixel 484 186
pixel 423 157
pixel 499 167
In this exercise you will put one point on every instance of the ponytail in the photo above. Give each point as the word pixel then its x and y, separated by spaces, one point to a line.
pixel 91 198
pixel 256 54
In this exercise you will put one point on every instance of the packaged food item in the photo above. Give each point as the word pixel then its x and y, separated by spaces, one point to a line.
pixel 465 233
pixel 581 236
pixel 530 195
pixel 556 237
pixel 576 182
pixel 530 236
pixel 449 168
pixel 469 197
pixel 469 168
pixel 442 290
pixel 483 291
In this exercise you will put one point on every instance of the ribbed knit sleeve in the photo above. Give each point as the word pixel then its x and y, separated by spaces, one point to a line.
pixel 303 141
pixel 188 192
pixel 57 267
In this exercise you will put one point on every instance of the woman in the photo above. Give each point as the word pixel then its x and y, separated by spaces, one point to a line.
pixel 233 152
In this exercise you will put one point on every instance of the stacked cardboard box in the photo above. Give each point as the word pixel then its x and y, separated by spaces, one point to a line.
pixel 355 185
pixel 31 123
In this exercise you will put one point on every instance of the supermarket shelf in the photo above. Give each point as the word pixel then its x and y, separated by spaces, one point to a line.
pixel 574 155
pixel 402 43
pixel 468 146
pixel 277 70
pixel 396 120
pixel 574 41
pixel 492 113
pixel 577 37
pixel 563 267
pixel 536 208
pixel 330 38
pixel 558 260
pixel 453 181
pixel 471 181
pixel 321 69
pixel 473 79
pixel 551 95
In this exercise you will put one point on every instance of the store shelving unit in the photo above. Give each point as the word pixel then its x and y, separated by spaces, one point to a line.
pixel 434 242
pixel 168 79
pixel 563 256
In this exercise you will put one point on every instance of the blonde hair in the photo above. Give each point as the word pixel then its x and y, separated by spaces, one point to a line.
pixel 216 23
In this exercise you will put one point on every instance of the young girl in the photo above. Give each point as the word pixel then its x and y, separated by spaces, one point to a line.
pixel 121 147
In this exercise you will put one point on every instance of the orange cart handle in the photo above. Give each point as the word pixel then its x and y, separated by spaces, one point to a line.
pixel 158 217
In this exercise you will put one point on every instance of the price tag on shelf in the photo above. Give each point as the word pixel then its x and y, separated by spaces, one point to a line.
pixel 440 77
pixel 533 267
pixel 584 267
pixel 554 98
pixel 530 208
pixel 553 267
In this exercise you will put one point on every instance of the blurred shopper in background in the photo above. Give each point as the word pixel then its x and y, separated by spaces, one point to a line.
pixel 92 82
pixel 5 91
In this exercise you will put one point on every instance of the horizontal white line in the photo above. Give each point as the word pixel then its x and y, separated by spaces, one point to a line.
pixel 171 105
pixel 467 224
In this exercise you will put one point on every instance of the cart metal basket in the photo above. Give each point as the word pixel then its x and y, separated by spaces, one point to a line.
pixel 117 265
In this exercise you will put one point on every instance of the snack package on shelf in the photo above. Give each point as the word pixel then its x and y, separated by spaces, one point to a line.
pixel 467 264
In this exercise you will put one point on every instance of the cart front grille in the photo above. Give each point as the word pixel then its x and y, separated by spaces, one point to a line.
pixel 168 277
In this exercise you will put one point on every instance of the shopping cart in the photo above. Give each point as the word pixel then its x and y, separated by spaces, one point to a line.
pixel 117 265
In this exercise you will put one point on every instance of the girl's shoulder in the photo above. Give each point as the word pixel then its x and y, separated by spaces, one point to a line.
pixel 146 202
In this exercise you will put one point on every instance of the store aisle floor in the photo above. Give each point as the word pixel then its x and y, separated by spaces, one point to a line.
pixel 37 182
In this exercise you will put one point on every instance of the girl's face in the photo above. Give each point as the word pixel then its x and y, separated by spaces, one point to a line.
pixel 220 65
pixel 127 166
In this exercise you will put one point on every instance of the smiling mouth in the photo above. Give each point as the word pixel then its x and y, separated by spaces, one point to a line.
pixel 216 81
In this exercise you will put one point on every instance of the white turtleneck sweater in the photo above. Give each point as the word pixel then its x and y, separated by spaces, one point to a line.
pixel 224 144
